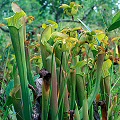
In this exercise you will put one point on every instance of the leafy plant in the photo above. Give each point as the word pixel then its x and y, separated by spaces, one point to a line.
pixel 78 70
pixel 16 26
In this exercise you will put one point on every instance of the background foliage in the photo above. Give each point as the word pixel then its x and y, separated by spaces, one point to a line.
pixel 97 14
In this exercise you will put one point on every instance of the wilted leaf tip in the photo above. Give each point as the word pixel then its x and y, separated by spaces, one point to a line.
pixel 15 7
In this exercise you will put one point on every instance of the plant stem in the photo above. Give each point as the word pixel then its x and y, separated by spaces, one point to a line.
pixel 54 99
pixel 17 37
pixel 72 88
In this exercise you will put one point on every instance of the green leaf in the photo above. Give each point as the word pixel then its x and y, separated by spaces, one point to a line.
pixel 115 22
pixel 79 64
pixel 9 87
pixel 44 26
pixel 46 34
pixel 77 115
pixel 48 48
pixel 85 109
pixel 64 6
pixel 15 90
pixel 116 17
pixel 59 34
pixel 76 28
pixel 106 66
pixel 114 26
pixel 15 19
pixel 72 4
pixel 9 101
pixel 74 11
pixel 16 26
pixel 55 25
pixel 100 36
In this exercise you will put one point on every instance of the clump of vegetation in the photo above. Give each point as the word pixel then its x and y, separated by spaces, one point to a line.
pixel 68 73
